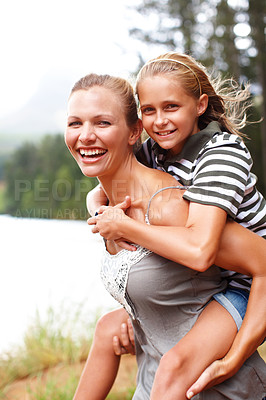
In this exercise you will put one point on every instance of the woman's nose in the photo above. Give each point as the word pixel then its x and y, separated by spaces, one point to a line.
pixel 87 133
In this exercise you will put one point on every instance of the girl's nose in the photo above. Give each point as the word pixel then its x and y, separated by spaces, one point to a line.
pixel 160 120
pixel 87 134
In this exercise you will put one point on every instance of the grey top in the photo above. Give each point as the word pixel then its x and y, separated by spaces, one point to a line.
pixel 164 300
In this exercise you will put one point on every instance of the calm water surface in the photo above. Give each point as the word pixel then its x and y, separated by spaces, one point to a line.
pixel 46 263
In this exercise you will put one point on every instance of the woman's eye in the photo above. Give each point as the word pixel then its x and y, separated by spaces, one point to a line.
pixel 74 123
pixel 104 123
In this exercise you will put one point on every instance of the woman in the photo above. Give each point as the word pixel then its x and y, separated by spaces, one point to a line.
pixel 163 298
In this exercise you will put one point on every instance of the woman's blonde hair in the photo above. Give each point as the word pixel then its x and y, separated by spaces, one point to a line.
pixel 228 101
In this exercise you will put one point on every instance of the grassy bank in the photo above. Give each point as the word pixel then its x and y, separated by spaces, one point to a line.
pixel 2 194
pixel 49 362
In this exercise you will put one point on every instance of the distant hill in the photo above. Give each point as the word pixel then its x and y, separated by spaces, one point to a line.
pixel 44 113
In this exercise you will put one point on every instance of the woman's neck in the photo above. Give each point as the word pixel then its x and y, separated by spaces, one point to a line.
pixel 126 181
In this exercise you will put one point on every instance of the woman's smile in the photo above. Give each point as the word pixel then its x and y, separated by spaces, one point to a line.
pixel 91 155
pixel 97 133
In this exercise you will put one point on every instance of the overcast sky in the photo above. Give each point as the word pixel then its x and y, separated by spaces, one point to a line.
pixel 64 39
pixel 46 45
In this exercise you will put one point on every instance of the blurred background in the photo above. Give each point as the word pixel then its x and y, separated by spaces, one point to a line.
pixel 46 46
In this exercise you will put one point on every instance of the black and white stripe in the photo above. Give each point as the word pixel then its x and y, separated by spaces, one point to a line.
pixel 217 173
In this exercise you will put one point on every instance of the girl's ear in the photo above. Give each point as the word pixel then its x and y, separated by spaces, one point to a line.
pixel 135 133
pixel 203 104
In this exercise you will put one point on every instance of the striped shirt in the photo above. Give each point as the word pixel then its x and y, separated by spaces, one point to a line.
pixel 215 167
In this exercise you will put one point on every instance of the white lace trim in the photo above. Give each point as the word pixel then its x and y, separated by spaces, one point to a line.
pixel 115 269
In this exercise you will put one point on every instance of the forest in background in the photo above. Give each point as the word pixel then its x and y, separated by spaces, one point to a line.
pixel 227 36
pixel 41 179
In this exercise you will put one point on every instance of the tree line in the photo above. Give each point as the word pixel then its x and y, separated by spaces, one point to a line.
pixel 43 181
pixel 226 36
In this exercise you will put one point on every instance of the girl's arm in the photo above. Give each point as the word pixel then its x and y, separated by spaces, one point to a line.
pixel 194 245
pixel 95 199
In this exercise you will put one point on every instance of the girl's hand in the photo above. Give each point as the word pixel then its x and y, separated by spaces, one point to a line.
pixel 125 344
pixel 107 223
pixel 216 373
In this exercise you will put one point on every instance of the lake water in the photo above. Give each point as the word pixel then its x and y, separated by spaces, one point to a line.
pixel 46 263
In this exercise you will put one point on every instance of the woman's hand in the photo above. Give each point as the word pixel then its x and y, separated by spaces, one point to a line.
pixel 216 373
pixel 125 343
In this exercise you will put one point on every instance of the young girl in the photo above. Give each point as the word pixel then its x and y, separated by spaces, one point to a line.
pixel 181 129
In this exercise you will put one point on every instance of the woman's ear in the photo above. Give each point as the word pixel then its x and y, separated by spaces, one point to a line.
pixel 135 133
pixel 203 104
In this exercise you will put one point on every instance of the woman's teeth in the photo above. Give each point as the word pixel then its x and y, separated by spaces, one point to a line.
pixel 91 152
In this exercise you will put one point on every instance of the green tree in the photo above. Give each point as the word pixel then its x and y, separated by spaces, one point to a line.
pixel 257 13
pixel 225 35
pixel 44 181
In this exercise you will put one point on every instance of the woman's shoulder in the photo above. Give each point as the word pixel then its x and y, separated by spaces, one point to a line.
pixel 166 204
pixel 160 178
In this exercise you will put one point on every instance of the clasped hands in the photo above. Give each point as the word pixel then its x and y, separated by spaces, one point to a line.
pixel 106 223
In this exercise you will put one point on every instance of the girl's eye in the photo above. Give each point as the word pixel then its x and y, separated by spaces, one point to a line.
pixel 147 110
pixel 171 106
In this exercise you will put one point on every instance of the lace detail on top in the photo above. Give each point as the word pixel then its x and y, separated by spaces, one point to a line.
pixel 115 269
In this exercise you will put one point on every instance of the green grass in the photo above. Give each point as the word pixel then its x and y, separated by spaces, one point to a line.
pixel 2 198
pixel 58 339
pixel 52 347
pixel 122 395
pixel 53 391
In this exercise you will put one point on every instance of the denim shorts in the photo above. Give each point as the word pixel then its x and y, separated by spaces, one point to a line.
pixel 235 302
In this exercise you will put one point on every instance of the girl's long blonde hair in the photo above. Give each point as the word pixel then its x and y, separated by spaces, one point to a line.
pixel 228 101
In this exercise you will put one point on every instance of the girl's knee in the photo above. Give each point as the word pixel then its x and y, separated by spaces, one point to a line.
pixel 172 375
pixel 175 361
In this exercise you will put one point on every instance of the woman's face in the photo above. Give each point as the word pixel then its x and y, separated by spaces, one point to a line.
pixel 97 134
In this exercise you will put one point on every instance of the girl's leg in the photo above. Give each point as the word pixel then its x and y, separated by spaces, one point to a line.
pixel 102 364
pixel 210 339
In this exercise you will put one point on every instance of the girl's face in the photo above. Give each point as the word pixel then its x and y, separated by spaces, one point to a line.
pixel 169 114
pixel 97 134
